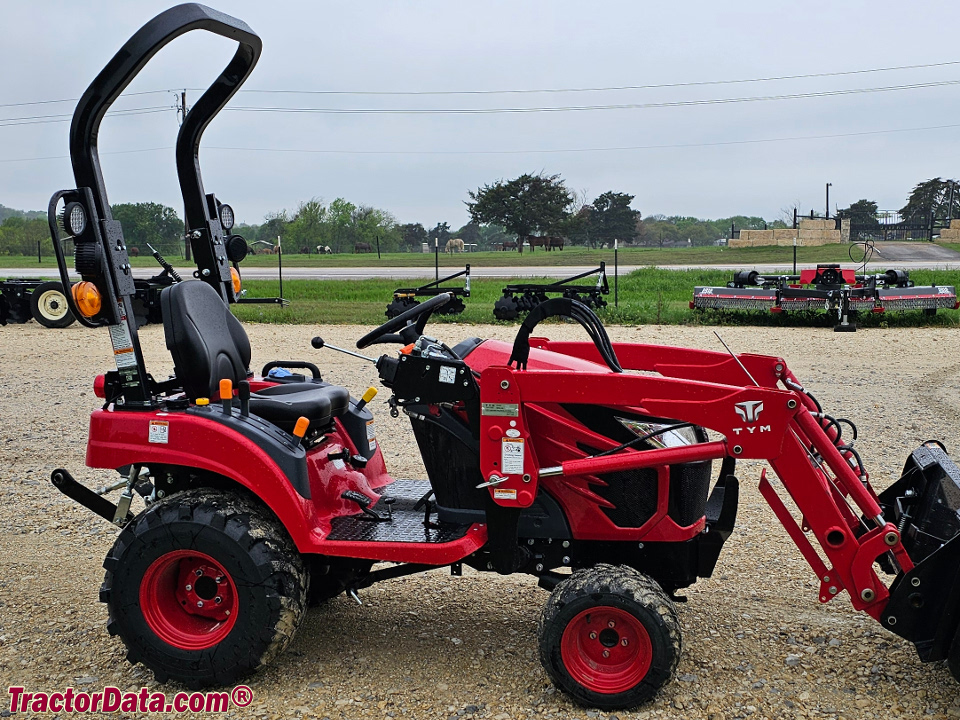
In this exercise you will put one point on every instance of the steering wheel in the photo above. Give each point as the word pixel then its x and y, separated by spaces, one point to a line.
pixel 421 313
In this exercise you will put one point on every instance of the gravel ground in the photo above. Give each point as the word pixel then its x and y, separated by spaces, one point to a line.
pixel 756 641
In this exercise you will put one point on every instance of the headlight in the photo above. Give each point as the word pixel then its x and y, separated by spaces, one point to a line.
pixel 226 217
pixel 74 219
pixel 664 438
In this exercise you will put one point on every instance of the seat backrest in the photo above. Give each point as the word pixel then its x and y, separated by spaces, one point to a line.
pixel 207 342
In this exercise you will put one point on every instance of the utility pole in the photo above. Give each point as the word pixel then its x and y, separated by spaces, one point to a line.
pixel 827 216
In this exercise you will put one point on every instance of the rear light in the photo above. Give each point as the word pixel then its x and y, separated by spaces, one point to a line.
pixel 692 306
pixel 235 276
pixel 87 297
pixel 776 309
pixel 99 386
pixel 878 310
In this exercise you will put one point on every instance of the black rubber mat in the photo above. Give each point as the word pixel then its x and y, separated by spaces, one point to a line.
pixel 407 525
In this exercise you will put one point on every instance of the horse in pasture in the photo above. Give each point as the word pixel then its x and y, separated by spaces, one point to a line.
pixel 454 244
pixel 324 250
pixel 362 247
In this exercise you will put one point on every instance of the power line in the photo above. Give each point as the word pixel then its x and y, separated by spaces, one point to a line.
pixel 46 119
pixel 718 143
pixel 603 89
pixel 581 108
pixel 614 88
pixel 626 148
pixel 66 100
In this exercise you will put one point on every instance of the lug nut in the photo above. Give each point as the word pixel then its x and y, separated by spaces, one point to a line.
pixel 624 642
pixel 219 579
pixel 606 653
pixel 199 603
pixel 611 624
pixel 198 572
pixel 188 587
pixel 218 599
pixel 593 636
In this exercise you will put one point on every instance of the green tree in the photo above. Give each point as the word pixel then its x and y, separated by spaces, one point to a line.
pixel 524 205
pixel 613 218
pixel 492 234
pixel 441 233
pixel 412 236
pixel 20 236
pixel 152 223
pixel 469 233
pixel 306 230
pixel 933 196
pixel 339 225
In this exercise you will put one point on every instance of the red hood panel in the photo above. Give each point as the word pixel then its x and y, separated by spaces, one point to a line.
pixel 497 352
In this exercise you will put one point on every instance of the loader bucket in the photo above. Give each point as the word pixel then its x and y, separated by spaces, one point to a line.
pixel 924 604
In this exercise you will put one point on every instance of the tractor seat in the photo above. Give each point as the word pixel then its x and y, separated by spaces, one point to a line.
pixel 283 405
pixel 208 344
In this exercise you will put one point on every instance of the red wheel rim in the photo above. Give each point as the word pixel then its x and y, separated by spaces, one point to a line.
pixel 188 600
pixel 606 650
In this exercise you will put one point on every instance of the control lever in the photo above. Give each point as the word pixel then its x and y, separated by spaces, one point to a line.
pixel 226 395
pixel 364 502
pixel 319 343
pixel 243 391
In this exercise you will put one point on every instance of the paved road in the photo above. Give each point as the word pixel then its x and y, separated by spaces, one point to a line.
pixel 910 256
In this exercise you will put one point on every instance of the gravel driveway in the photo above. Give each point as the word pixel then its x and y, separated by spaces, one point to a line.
pixel 757 643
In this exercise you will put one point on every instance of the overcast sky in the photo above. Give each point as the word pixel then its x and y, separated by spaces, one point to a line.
pixel 706 160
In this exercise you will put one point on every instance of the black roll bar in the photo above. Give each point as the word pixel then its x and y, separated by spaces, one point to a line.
pixel 117 75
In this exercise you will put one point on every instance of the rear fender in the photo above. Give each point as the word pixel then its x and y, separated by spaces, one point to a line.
pixel 119 438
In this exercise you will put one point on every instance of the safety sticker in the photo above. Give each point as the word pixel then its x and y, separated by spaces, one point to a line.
pixel 122 346
pixel 511 456
pixel 500 409
pixel 372 435
pixel 504 494
pixel 448 374
pixel 159 431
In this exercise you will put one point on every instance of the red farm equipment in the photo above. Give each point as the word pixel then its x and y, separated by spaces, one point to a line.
pixel 547 459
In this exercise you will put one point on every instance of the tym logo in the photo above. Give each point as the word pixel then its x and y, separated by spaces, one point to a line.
pixel 749 411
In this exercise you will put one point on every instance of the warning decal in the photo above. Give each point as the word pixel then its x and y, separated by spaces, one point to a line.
pixel 159 431
pixel 511 456
pixel 122 346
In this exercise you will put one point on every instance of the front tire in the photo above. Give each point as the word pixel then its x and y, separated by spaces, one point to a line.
pixel 48 305
pixel 609 637
pixel 204 587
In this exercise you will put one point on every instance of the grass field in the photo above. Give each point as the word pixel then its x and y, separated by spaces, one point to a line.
pixel 570 256
pixel 648 296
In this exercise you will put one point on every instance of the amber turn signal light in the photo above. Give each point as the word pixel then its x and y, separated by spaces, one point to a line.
pixel 235 276
pixel 87 298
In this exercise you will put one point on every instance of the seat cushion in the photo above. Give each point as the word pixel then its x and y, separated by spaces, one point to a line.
pixel 283 405
pixel 207 343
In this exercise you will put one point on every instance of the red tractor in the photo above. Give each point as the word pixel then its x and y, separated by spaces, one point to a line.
pixel 264 493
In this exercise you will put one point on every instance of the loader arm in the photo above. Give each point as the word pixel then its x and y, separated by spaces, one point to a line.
pixel 775 421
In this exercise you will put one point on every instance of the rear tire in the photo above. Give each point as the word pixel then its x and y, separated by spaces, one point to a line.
pixel 204 587
pixel 609 637
pixel 48 305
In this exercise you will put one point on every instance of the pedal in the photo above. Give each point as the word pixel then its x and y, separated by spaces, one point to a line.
pixel 364 502
pixel 358 497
